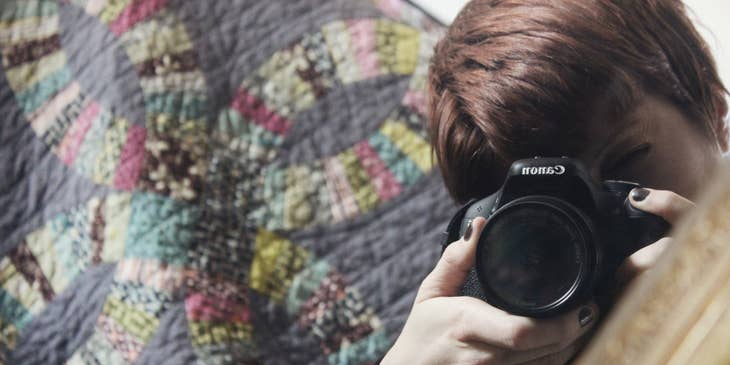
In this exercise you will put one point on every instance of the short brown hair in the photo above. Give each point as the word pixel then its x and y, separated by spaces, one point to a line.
pixel 517 78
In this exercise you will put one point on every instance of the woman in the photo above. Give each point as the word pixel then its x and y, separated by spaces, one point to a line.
pixel 628 87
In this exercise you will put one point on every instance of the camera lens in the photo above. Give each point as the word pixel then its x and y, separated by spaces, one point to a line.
pixel 531 254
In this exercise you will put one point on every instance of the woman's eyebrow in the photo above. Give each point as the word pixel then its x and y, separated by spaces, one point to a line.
pixel 629 126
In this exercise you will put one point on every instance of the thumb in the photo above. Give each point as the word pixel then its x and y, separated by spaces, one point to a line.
pixel 454 265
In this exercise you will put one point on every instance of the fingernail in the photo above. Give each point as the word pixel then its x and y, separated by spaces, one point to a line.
pixel 585 316
pixel 467 233
pixel 639 194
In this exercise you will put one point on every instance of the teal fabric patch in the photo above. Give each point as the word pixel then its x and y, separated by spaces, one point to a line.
pixel 73 243
pixel 160 229
pixel 404 170
pixel 305 284
pixel 32 98
pixel 21 9
pixel 88 156
pixel 183 105
pixel 367 350
pixel 11 310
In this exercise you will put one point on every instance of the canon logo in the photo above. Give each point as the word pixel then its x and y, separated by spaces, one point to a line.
pixel 544 170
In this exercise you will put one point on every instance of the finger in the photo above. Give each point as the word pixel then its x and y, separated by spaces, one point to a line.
pixel 664 203
pixel 553 354
pixel 641 261
pixel 483 323
pixel 479 353
pixel 452 268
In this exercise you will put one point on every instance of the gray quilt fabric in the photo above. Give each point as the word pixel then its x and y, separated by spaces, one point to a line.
pixel 214 182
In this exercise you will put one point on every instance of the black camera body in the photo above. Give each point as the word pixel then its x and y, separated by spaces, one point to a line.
pixel 553 238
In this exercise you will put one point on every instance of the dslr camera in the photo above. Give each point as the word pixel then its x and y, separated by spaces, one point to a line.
pixel 553 239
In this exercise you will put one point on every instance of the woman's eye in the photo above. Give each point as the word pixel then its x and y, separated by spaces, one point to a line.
pixel 630 157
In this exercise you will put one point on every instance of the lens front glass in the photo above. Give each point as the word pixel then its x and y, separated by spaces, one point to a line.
pixel 530 255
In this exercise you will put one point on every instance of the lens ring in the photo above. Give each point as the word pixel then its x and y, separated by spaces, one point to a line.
pixel 562 219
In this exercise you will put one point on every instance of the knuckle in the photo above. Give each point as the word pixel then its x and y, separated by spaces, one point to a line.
pixel 496 356
pixel 426 292
pixel 424 285
pixel 519 335
pixel 459 328
pixel 450 254
pixel 427 283
pixel 454 253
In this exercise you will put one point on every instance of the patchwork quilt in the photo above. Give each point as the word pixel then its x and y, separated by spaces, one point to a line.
pixel 213 182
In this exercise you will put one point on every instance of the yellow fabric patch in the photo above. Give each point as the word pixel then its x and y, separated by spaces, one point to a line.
pixel 137 322
pixel 206 333
pixel 15 284
pixel 410 143
pixel 361 184
pixel 276 261
pixel 24 76
pixel 177 81
pixel 112 10
pixel 153 39
pixel 108 158
pixel 339 44
pixel 406 49
pixel 27 29
pixel 116 214
pixel 41 244
pixel 398 47
pixel 8 334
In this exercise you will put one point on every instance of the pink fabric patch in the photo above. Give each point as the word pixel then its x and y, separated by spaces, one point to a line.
pixel 391 8
pixel 127 345
pixel 254 109
pixel 362 33
pixel 343 200
pixel 130 160
pixel 204 308
pixel 69 146
pixel 385 183
pixel 134 13
pixel 416 100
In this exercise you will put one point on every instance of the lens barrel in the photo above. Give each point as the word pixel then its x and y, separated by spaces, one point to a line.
pixel 536 256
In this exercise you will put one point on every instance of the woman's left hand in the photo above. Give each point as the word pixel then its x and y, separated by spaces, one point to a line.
pixel 666 204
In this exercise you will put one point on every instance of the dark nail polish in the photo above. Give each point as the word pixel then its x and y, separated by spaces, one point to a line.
pixel 467 233
pixel 585 316
pixel 639 194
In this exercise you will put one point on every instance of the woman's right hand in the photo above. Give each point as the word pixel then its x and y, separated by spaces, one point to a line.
pixel 443 328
